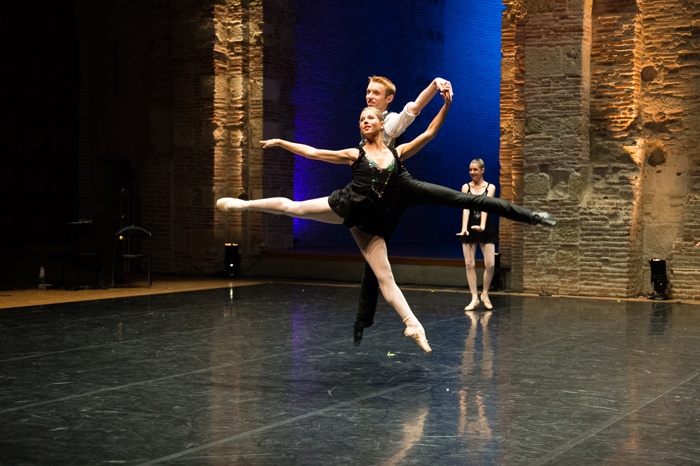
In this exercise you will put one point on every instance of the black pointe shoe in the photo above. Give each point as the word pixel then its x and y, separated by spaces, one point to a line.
pixel 543 218
pixel 357 334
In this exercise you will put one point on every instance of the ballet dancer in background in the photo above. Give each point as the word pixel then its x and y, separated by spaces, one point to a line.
pixel 478 228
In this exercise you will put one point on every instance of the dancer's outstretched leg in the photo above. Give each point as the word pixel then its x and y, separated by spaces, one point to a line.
pixel 373 249
pixel 313 209
pixel 415 193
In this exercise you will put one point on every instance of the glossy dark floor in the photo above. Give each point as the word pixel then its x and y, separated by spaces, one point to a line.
pixel 268 375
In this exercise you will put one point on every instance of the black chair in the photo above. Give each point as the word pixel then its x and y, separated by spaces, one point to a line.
pixel 131 243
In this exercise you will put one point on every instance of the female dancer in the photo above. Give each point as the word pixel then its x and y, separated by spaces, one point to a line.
pixel 381 186
pixel 478 228
pixel 363 205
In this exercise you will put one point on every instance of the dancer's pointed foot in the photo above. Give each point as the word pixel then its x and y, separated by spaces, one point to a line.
pixel 418 334
pixel 487 302
pixel 471 306
pixel 542 218
pixel 357 334
pixel 228 204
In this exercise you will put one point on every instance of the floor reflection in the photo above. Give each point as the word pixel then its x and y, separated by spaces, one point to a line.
pixel 269 375
pixel 412 434
pixel 477 364
pixel 659 317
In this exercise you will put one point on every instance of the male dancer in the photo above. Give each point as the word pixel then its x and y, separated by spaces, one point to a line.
pixel 380 93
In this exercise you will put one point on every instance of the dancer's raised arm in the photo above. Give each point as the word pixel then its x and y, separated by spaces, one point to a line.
pixel 411 148
pixel 436 85
pixel 345 156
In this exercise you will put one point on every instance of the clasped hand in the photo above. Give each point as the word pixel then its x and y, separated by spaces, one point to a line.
pixel 465 232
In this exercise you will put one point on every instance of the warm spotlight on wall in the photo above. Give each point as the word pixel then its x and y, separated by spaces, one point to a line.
pixel 232 263
pixel 659 279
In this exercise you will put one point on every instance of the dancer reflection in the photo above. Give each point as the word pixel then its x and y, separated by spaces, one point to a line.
pixel 412 435
pixel 473 418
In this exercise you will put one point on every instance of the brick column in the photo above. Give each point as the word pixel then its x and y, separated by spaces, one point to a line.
pixel 545 144
pixel 238 116
pixel 206 117
pixel 611 223
pixel 512 135
pixel 670 119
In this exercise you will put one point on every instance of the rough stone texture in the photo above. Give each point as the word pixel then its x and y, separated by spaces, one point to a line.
pixel 513 124
pixel 607 94
pixel 238 120
pixel 178 87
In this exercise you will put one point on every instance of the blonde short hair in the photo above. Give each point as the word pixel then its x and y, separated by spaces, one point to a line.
pixel 389 87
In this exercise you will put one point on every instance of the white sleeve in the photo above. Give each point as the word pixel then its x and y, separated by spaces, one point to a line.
pixel 396 123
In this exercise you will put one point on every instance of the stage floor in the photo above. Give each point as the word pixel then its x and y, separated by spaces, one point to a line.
pixel 267 374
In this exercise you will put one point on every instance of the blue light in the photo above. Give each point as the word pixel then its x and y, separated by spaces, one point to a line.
pixel 338 46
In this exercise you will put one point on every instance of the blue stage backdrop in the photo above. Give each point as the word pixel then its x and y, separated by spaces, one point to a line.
pixel 340 44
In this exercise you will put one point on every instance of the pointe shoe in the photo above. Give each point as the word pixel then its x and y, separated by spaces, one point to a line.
pixel 418 334
pixel 228 204
pixel 487 302
pixel 543 218
pixel 473 304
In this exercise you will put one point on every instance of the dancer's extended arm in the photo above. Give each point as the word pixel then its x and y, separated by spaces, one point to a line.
pixel 345 156
pixel 436 85
pixel 411 148
pixel 395 127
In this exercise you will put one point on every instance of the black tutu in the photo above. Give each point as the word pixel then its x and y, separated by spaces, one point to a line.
pixel 367 214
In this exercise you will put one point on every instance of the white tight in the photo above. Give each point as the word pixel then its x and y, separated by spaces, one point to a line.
pixel 489 251
pixel 374 251
pixel 313 209
pixel 373 247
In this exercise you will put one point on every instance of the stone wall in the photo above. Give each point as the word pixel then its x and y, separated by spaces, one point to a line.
pixel 512 137
pixel 600 109
pixel 238 119
pixel 174 90
pixel 670 122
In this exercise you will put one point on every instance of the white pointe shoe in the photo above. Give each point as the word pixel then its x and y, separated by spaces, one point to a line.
pixel 228 204
pixel 471 306
pixel 418 334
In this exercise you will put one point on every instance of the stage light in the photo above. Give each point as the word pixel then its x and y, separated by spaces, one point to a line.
pixel 659 279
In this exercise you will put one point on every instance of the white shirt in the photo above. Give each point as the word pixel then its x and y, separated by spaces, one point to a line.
pixel 395 124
